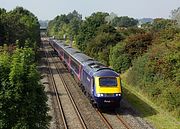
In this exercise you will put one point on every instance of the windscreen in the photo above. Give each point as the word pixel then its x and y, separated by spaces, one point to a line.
pixel 108 82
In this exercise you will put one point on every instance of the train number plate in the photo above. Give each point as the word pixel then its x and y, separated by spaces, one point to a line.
pixel 107 101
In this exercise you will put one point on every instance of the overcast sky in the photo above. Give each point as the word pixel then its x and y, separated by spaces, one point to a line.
pixel 48 9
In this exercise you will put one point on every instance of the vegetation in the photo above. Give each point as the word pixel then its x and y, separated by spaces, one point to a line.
pixel 94 31
pixel 22 97
pixel 18 24
pixel 124 22
pixel 157 74
pixel 125 52
pixel 149 55
pixel 65 26
pixel 99 46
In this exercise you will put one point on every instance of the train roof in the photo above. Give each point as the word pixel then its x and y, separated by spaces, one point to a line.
pixel 91 66
pixel 71 50
pixel 106 72
pixel 63 46
pixel 95 68
pixel 81 58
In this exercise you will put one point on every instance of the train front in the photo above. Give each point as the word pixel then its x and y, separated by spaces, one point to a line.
pixel 107 88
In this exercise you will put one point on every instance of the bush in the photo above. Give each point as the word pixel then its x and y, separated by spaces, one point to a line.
pixel 21 94
pixel 156 73
pixel 121 63
pixel 119 60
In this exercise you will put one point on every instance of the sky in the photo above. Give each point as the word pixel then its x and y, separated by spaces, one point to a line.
pixel 49 9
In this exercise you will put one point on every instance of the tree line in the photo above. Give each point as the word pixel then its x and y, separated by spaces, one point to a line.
pixel 22 97
pixel 149 52
pixel 18 24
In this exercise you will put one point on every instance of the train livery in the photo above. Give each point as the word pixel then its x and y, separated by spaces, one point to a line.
pixel 102 85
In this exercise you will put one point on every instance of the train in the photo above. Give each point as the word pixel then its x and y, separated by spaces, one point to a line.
pixel 101 84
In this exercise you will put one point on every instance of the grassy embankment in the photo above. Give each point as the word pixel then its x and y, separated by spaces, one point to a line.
pixel 154 114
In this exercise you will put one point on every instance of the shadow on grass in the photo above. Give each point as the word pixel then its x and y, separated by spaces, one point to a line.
pixel 132 104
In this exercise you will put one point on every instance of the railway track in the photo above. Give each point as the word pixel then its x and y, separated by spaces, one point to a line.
pixel 110 120
pixel 120 123
pixel 108 124
pixel 123 121
pixel 71 98
pixel 78 123
pixel 52 82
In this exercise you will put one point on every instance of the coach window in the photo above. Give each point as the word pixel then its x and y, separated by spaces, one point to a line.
pixel 75 66
pixel 65 57
pixel 61 52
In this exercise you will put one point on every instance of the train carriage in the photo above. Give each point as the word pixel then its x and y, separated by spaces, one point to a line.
pixel 100 83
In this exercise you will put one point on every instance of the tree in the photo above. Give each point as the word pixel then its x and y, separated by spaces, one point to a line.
pixel 73 15
pixel 118 58
pixel 137 44
pixel 124 21
pixel 21 93
pixel 123 54
pixel 2 26
pixel 175 15
pixel 65 25
pixel 22 97
pixel 88 27
pixel 18 24
pixel 110 18
pixel 99 46
pixel 160 24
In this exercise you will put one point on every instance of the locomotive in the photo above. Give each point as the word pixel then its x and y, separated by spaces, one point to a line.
pixel 101 84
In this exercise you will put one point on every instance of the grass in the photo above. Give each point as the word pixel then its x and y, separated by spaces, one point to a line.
pixel 156 116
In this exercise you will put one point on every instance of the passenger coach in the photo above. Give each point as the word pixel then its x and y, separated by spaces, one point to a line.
pixel 101 84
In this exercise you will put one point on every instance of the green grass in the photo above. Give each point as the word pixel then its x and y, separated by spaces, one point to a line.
pixel 159 118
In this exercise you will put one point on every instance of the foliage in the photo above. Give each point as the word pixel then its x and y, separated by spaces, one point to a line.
pixel 65 25
pixel 110 17
pixel 119 59
pixel 123 54
pixel 150 53
pixel 130 31
pixel 22 97
pixel 88 28
pixel 99 46
pixel 138 44
pixel 160 23
pixel 157 73
pixel 124 21
pixel 18 24
pixel 166 35
pixel 175 15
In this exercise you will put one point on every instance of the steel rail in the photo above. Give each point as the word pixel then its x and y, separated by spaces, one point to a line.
pixel 76 108
pixel 122 121
pixel 71 98
pixel 104 119
pixel 56 92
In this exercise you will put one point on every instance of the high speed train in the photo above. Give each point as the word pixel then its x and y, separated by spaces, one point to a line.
pixel 102 85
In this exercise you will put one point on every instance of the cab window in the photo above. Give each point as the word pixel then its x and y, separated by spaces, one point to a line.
pixel 108 82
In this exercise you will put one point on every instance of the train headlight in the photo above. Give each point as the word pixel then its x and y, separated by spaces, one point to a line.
pixel 118 94
pixel 100 95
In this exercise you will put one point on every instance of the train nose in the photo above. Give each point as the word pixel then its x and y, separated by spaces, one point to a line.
pixel 112 102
